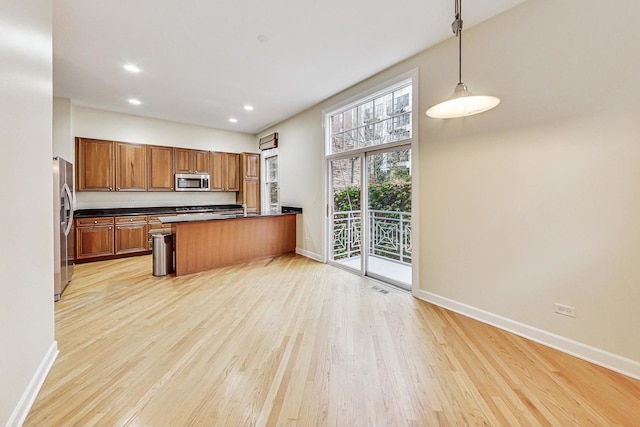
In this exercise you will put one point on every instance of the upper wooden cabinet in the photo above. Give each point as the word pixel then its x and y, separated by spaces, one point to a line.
pixel 224 171
pixel 200 161
pixel 122 166
pixel 251 165
pixel 215 166
pixel 232 171
pixel 131 167
pixel 94 165
pixel 160 168
pixel 191 161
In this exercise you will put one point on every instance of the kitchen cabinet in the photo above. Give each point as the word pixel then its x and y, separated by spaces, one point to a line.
pixel 94 165
pixel 249 193
pixel 156 227
pixel 251 165
pixel 130 234
pixel 131 166
pixel 191 161
pixel 160 176
pixel 224 171
pixel 103 165
pixel 94 237
pixel 231 171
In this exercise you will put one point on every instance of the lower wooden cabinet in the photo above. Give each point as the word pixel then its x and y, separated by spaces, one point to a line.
pixel 130 234
pixel 250 195
pixel 94 237
pixel 102 237
pixel 156 227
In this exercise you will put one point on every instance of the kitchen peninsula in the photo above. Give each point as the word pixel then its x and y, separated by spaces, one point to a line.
pixel 209 240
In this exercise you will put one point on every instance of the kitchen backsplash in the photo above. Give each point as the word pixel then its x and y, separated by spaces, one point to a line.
pixel 96 200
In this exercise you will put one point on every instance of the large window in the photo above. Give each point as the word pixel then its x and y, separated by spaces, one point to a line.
pixel 385 117
pixel 369 144
pixel 270 179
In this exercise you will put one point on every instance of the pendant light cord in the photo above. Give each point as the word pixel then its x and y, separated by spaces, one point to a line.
pixel 457 25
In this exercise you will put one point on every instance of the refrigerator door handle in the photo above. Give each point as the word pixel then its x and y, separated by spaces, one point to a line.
pixel 68 213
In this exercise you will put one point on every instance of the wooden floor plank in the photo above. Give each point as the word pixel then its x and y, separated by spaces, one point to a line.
pixel 289 341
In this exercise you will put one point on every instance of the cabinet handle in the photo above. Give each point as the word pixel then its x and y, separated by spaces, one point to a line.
pixel 109 228
pixel 95 222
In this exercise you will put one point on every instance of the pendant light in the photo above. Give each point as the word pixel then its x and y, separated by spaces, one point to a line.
pixel 462 102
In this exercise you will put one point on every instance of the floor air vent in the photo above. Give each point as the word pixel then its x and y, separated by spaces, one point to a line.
pixel 377 289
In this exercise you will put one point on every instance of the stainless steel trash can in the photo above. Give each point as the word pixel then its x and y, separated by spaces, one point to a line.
pixel 162 254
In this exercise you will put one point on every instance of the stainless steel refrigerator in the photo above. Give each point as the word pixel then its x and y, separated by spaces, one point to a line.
pixel 63 234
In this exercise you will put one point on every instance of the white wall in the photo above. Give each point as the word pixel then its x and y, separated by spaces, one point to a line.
pixel 92 123
pixel 62 134
pixel 26 243
pixel 300 162
pixel 534 202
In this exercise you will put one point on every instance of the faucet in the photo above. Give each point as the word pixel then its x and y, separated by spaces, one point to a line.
pixel 244 208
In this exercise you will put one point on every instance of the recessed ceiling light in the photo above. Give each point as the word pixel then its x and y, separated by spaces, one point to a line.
pixel 134 101
pixel 132 68
pixel 232 120
pixel 248 107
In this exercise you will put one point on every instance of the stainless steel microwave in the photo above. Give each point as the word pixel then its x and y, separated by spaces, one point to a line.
pixel 192 182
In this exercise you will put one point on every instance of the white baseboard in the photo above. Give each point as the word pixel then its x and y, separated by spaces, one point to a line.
pixel 620 364
pixel 308 254
pixel 29 396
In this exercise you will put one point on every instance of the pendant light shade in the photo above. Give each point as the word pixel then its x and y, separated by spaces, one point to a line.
pixel 462 102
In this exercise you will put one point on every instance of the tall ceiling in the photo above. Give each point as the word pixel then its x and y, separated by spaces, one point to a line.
pixel 202 61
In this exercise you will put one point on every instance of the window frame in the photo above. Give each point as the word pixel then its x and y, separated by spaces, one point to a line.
pixel 267 155
pixel 365 105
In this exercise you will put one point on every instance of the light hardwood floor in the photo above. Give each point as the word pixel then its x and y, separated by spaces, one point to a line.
pixel 292 342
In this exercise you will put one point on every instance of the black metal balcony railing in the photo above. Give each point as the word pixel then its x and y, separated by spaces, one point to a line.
pixel 389 233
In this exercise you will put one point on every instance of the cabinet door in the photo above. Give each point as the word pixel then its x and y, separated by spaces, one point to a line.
pixel 183 160
pixel 200 161
pixel 159 168
pixel 251 196
pixel 94 240
pixel 131 167
pixel 215 170
pixel 131 238
pixel 251 165
pixel 94 165
pixel 231 173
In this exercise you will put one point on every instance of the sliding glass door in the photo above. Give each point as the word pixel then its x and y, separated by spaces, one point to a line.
pixel 370 214
pixel 345 218
pixel 388 216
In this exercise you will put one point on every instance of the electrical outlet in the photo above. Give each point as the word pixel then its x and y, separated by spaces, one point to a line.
pixel 565 310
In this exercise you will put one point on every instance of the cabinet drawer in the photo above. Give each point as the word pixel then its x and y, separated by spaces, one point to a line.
pixel 160 228
pixel 94 221
pixel 130 219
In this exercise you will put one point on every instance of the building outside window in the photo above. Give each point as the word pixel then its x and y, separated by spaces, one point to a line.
pixel 384 118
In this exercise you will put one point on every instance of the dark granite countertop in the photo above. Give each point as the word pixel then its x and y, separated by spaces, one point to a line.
pixel 211 216
pixel 88 213
pixel 291 209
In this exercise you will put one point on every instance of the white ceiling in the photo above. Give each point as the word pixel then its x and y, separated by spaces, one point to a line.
pixel 202 60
